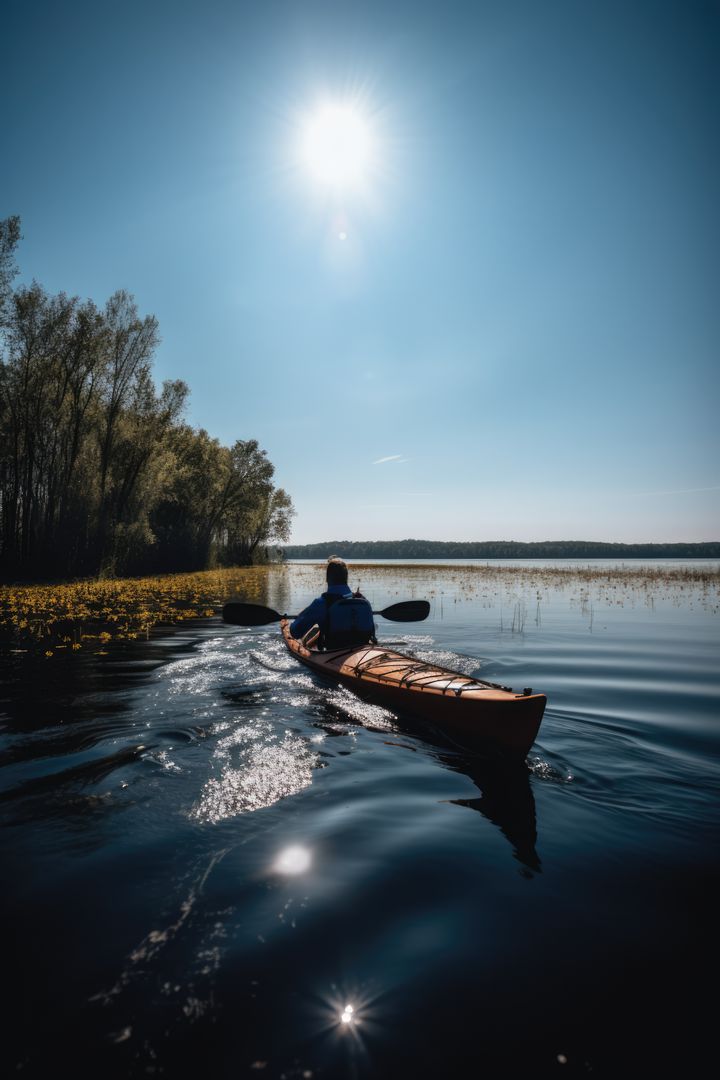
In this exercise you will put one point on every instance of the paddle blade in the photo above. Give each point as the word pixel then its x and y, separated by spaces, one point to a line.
pixel 249 614
pixel 408 611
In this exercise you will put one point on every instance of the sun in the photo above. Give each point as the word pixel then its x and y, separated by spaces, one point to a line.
pixel 336 146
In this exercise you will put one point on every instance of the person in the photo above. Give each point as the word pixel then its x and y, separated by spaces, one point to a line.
pixel 339 618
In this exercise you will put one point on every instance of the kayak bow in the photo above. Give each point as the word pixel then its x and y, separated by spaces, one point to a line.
pixel 475 714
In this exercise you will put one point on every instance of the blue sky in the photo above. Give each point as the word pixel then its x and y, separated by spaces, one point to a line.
pixel 522 319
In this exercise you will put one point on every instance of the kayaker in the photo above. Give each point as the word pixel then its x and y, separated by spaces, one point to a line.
pixel 342 618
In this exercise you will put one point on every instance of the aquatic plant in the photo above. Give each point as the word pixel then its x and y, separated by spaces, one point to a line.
pixel 80 614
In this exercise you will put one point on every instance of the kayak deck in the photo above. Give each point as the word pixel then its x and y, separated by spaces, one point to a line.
pixel 477 714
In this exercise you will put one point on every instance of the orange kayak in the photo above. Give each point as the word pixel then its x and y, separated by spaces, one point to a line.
pixel 475 715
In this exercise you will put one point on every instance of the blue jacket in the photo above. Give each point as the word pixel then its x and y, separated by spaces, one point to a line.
pixel 315 613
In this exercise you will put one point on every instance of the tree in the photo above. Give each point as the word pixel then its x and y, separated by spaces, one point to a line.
pixel 9 240
pixel 131 342
pixel 98 473
pixel 32 400
pixel 257 513
pixel 137 471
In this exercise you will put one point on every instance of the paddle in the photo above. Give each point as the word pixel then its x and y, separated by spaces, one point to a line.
pixel 257 615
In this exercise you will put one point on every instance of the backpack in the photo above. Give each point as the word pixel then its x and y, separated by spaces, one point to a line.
pixel 348 622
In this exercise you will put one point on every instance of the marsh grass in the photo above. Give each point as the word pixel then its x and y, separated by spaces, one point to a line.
pixel 90 614
pixel 625 582
pixel 514 591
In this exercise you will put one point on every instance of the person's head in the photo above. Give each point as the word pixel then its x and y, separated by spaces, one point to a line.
pixel 337 571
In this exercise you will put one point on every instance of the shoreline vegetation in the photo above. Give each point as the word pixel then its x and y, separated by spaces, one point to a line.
pixel 99 473
pixel 89 615
pixel 499 549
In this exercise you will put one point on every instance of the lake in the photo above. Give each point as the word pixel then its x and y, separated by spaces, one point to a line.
pixel 213 864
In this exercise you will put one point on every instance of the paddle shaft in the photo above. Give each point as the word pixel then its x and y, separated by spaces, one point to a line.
pixel 256 615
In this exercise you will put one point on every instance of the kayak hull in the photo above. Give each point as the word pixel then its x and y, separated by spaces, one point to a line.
pixel 476 715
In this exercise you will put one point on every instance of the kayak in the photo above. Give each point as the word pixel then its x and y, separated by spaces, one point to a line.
pixel 474 714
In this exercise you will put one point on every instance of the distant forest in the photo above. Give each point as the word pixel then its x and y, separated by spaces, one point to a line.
pixel 497 549
pixel 98 472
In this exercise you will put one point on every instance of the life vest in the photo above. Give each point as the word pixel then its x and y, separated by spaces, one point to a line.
pixel 348 622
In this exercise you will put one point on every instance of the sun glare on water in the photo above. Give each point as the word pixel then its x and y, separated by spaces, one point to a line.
pixel 336 146
pixel 293 860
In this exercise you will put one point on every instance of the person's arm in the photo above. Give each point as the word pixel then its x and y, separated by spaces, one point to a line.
pixel 311 614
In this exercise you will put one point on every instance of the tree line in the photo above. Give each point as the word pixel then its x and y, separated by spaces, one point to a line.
pixel 497 549
pixel 99 473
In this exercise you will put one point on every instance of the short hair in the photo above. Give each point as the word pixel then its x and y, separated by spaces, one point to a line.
pixel 337 571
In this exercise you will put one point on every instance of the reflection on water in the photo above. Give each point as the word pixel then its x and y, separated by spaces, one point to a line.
pixel 279 594
pixel 293 860
pixel 215 864
pixel 506 800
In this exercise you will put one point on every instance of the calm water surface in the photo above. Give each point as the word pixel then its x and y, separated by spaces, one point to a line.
pixel 213 864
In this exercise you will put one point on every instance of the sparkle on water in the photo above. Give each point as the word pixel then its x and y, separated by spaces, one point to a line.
pixel 256 769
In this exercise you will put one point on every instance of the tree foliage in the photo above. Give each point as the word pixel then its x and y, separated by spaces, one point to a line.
pixel 98 471
pixel 497 549
pixel 9 239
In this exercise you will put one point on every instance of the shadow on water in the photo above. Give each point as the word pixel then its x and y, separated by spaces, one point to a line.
pixel 506 800
pixel 41 694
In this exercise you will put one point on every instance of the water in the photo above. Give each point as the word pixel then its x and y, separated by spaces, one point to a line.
pixel 608 564
pixel 215 865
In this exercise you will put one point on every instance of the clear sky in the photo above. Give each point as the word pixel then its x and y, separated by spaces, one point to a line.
pixel 501 321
